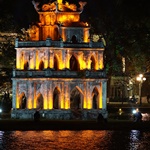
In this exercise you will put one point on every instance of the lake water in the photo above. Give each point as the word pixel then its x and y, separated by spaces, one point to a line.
pixel 74 140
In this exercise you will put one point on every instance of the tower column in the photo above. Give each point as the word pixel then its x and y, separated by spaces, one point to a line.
pixel 85 105
pixel 66 95
pixel 100 96
pixel 50 96
pixel 31 60
pixel 51 59
pixel 46 58
pixel 18 62
pixel 45 95
pixel 89 96
pixel 30 95
pixel 14 94
pixel 104 93
pixel 62 98
pixel 34 59
pixel 67 59
pixel 100 62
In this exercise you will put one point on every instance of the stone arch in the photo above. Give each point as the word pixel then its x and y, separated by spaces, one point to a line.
pixel 56 98
pixel 22 100
pixel 76 98
pixel 93 63
pixel 74 39
pixel 74 64
pixel 95 97
pixel 39 101
pixel 56 63
pixel 26 65
pixel 41 65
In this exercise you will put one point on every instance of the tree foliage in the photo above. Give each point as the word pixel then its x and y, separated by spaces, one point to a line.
pixel 126 27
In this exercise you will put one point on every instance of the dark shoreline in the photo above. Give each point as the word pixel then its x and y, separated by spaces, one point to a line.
pixel 27 125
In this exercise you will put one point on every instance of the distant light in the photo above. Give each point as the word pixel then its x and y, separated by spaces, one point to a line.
pixel 144 79
pixel 134 111
pixel 0 110
pixel 43 115
pixel 140 75
pixel 120 111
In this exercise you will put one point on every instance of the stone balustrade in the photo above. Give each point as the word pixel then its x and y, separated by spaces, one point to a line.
pixel 61 74
pixel 50 43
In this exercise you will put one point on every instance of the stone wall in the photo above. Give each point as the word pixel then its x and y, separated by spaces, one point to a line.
pixel 59 114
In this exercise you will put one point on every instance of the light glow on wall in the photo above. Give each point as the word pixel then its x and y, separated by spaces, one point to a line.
pixel 50 104
pixel 100 97
pixel 89 103
pixel 59 1
pixel 67 104
pixel 86 35
pixel 17 102
pixel 29 104
pixel 62 104
pixel 45 103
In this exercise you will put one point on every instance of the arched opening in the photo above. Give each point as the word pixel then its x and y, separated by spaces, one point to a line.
pixel 56 63
pixel 56 97
pixel 56 33
pixel 22 101
pixel 41 65
pixel 95 95
pixel 74 39
pixel 76 98
pixel 26 65
pixel 74 65
pixel 93 63
pixel 39 101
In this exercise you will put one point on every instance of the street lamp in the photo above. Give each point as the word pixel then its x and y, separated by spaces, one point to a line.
pixel 141 79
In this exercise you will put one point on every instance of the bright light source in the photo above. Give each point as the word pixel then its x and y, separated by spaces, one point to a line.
pixel 138 78
pixel 134 111
pixel 140 75
pixel 0 110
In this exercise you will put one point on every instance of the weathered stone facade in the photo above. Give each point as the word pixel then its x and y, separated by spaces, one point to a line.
pixel 59 70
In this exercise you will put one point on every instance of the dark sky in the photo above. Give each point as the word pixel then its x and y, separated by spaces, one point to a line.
pixel 24 12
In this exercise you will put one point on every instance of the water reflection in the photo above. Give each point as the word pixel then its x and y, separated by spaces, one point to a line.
pixel 74 140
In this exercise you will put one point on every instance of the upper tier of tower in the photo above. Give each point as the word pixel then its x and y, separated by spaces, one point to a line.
pixel 60 21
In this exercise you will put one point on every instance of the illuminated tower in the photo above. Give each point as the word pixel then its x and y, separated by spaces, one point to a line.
pixel 59 69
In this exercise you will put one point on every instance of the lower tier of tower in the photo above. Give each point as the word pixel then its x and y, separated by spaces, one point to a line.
pixel 57 95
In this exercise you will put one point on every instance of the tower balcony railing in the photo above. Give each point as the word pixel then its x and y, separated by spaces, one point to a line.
pixel 49 43
pixel 50 73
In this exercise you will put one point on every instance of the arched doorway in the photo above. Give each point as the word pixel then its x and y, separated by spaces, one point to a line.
pixel 95 95
pixel 56 63
pixel 41 65
pixel 26 65
pixel 56 33
pixel 22 101
pixel 74 39
pixel 56 97
pixel 74 65
pixel 93 63
pixel 76 98
pixel 39 101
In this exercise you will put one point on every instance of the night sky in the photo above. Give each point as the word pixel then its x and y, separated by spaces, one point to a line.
pixel 24 12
